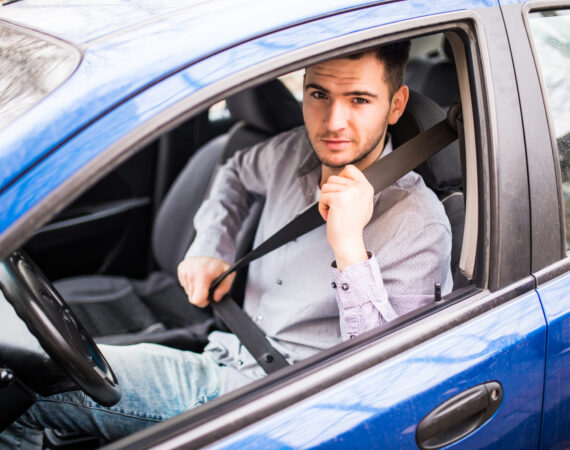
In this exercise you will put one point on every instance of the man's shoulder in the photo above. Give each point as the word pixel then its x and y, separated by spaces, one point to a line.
pixel 289 149
pixel 294 138
pixel 417 200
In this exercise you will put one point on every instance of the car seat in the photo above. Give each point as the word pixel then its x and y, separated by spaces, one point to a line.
pixel 119 310
pixel 442 172
pixel 434 75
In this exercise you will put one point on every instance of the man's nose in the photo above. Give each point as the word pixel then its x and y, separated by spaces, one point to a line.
pixel 337 117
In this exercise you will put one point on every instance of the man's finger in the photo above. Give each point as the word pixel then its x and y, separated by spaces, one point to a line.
pixel 224 287
pixel 189 291
pixel 323 206
pixel 353 173
pixel 338 179
pixel 200 293
pixel 331 188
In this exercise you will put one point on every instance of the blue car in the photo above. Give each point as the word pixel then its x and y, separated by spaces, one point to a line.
pixel 113 118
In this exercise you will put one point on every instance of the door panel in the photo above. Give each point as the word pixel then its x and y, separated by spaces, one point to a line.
pixel 381 407
pixel 555 297
pixel 540 35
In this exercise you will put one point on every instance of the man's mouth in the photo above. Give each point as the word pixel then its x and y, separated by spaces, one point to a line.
pixel 336 144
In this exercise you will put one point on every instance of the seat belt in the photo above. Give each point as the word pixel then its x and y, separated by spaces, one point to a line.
pixel 381 174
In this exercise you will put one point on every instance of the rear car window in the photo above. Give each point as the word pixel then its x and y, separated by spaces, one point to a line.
pixel 551 35
pixel 31 66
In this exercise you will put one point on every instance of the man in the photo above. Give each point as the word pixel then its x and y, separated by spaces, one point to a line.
pixel 378 256
pixel 389 249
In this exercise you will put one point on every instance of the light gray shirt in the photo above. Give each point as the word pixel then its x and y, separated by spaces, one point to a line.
pixel 295 294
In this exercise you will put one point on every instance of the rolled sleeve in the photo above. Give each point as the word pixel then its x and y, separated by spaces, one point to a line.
pixel 362 297
pixel 214 243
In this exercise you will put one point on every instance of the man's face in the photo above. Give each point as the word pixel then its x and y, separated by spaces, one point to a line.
pixel 347 108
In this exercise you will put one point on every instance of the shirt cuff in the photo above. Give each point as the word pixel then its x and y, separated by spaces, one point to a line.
pixel 362 297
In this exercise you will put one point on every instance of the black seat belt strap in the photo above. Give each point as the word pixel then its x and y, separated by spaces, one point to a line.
pixel 249 334
pixel 381 174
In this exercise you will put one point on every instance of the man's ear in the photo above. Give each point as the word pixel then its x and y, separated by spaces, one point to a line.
pixel 399 102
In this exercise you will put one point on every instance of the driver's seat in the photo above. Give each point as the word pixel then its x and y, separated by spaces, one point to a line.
pixel 118 310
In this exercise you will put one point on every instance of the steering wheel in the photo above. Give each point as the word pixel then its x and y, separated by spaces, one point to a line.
pixel 58 331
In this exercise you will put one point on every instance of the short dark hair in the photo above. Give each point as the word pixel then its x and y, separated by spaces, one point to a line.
pixel 394 57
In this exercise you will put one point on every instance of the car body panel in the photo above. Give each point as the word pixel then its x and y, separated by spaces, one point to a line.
pixel 541 159
pixel 100 117
pixel 548 237
pixel 381 407
pixel 555 297
pixel 509 216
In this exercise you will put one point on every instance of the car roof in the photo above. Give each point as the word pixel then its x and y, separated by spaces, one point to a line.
pixel 125 47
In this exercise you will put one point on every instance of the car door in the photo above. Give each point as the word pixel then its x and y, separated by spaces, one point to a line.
pixel 544 39
pixel 478 355
pixel 469 371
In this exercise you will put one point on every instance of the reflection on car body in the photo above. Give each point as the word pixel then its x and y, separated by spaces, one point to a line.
pixel 87 177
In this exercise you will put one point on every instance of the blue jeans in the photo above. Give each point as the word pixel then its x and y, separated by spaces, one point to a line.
pixel 157 382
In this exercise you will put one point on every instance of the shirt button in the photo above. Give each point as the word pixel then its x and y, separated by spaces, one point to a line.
pixel 344 286
pixel 333 284
pixel 259 318
pixel 280 282
pixel 239 362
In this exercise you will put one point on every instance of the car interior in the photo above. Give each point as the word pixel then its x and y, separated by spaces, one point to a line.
pixel 113 252
pixel 118 308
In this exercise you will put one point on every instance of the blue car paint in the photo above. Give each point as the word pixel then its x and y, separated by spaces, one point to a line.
pixel 94 89
pixel 555 297
pixel 514 353
pixel 73 22
pixel 375 409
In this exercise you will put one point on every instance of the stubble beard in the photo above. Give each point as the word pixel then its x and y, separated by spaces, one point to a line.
pixel 356 159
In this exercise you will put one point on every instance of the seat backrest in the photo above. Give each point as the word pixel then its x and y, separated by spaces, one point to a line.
pixel 434 76
pixel 261 111
pixel 442 172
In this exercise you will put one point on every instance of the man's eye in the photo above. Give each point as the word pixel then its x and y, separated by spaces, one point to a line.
pixel 319 95
pixel 360 100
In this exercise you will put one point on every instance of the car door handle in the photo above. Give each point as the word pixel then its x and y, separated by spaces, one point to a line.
pixel 459 416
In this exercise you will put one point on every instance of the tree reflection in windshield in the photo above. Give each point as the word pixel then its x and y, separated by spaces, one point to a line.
pixel 30 68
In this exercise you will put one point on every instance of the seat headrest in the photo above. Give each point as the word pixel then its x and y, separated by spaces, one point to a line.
pixel 270 107
pixel 442 172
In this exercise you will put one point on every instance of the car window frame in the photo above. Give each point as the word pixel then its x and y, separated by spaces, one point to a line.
pixel 527 9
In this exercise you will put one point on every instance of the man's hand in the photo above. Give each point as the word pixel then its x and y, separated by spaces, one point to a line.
pixel 197 273
pixel 346 204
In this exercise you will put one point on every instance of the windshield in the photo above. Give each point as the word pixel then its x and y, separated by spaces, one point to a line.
pixel 31 66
